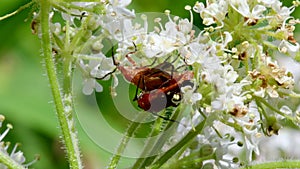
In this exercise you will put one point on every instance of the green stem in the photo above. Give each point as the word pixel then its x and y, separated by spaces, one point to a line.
pixel 154 146
pixel 234 125
pixel 292 94
pixel 277 164
pixel 67 62
pixel 68 131
pixel 128 134
pixel 167 155
pixel 263 101
pixel 16 11
pixel 193 158
pixel 9 162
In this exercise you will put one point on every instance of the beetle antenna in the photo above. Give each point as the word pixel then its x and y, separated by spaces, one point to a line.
pixel 129 53
pixel 103 77
pixel 114 62
pixel 154 60
pixel 137 89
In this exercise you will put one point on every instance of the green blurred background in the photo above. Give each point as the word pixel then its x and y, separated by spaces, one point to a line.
pixel 25 97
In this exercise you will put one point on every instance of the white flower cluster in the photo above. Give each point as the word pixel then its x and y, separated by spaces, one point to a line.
pixel 233 61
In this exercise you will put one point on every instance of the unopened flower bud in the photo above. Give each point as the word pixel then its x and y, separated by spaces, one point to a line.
pixel 206 150
pixel 235 160
pixel 208 166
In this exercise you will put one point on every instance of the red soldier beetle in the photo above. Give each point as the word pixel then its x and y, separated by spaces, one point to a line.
pixel 169 94
pixel 160 89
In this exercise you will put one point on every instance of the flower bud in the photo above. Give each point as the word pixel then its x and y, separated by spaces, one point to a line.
pixel 206 150
pixel 235 160
pixel 240 144
pixel 194 145
pixel 208 166
pixel 272 126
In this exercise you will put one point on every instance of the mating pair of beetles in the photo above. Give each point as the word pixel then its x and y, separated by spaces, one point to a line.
pixel 160 85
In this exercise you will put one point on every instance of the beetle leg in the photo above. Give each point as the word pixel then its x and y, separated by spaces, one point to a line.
pixel 175 59
pixel 141 79
pixel 182 66
pixel 155 59
pixel 114 62
pixel 165 118
pixel 172 71
pixel 166 60
pixel 168 65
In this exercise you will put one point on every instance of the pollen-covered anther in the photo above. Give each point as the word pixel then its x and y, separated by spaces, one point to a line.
pixel 176 18
pixel 113 14
pixel 2 118
pixel 272 65
pixel 167 12
pixel 157 20
pixel 258 135
pixel 285 82
pixel 234 50
pixel 296 3
pixel 9 126
pixel 204 76
pixel 245 44
pixel 292 39
pixel 254 74
pixel 239 111
pixel 3 134
pixel 187 7
pixel 243 56
pixel 250 21
pixel 144 17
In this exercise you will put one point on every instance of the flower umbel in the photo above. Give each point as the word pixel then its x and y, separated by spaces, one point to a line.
pixel 224 81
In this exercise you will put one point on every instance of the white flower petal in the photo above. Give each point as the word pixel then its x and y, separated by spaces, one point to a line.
pixel 286 110
pixel 98 87
pixel 116 81
pixel 196 97
pixel 258 10
pixel 88 87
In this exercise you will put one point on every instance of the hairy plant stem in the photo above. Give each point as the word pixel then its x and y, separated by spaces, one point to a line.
pixel 128 134
pixel 69 132
pixel 271 107
pixel 276 164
